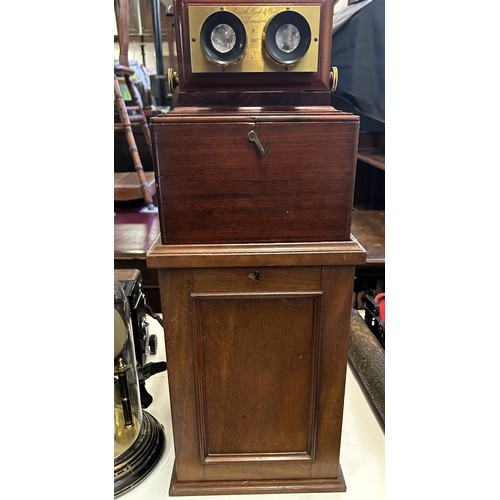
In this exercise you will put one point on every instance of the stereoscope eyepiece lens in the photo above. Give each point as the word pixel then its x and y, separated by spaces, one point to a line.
pixel 223 38
pixel 287 37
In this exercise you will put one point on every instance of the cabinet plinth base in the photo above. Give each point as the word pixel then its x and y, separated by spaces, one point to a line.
pixel 189 488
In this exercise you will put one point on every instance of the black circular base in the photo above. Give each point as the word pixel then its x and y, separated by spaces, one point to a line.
pixel 139 460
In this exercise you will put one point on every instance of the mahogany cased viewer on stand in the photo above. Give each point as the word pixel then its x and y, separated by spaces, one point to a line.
pixel 254 175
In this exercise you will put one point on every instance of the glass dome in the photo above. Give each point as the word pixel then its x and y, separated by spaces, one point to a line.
pixel 127 407
pixel 139 437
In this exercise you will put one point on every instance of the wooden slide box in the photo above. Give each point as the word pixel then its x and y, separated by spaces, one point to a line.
pixel 214 186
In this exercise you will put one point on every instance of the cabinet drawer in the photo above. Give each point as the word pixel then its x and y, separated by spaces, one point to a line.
pixel 256 280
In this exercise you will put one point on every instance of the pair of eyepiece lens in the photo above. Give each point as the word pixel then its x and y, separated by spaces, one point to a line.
pixel 287 37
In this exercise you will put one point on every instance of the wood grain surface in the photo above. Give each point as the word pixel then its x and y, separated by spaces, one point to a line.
pixel 214 186
pixel 257 359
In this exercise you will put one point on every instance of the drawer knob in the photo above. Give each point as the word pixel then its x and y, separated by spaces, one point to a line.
pixel 253 137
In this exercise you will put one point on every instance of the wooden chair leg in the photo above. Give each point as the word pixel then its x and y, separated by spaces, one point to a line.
pixel 137 101
pixel 122 111
pixel 147 136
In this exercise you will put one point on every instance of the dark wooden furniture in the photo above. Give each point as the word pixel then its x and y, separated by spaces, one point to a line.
pixel 257 340
pixel 215 186
pixel 370 172
pixel 130 113
pixel 369 228
pixel 136 232
pixel 129 187
pixel 368 218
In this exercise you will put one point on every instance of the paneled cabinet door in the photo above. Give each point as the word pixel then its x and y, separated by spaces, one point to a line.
pixel 256 363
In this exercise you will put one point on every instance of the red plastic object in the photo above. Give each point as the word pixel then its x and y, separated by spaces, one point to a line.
pixel 380 299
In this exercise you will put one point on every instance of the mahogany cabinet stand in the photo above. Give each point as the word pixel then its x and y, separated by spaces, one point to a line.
pixel 257 340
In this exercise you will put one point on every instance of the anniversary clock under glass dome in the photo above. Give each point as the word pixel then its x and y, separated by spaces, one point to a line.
pixel 139 437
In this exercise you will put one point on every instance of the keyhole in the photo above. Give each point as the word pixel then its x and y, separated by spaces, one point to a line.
pixel 255 275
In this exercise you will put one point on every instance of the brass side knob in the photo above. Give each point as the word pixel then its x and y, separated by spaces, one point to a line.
pixel 172 80
pixel 334 78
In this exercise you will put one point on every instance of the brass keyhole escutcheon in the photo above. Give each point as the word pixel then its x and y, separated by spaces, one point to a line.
pixel 254 275
pixel 253 137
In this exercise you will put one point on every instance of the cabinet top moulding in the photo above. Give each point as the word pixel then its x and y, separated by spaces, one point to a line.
pixel 259 254
pixel 262 114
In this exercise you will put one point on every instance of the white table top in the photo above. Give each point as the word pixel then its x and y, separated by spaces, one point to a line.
pixel 361 453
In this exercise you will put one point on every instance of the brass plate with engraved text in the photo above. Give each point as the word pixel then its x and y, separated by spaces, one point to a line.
pixel 255 58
